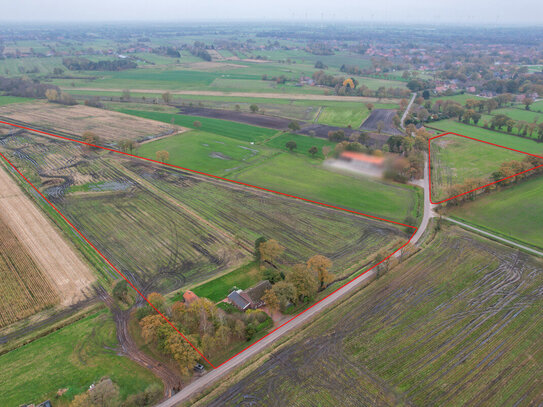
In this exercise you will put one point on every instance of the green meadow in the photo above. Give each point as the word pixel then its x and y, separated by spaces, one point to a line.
pixel 515 212
pixel 71 358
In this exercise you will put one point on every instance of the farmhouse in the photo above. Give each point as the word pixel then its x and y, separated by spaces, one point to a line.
pixel 250 298
pixel 189 297
pixel 364 161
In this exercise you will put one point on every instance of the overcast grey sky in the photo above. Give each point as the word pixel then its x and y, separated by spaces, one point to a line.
pixel 425 11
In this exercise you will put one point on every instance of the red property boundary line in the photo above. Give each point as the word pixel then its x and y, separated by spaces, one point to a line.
pixel 484 186
pixel 216 177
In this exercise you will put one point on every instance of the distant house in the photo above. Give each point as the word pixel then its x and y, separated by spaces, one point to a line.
pixel 363 159
pixel 189 297
pixel 250 298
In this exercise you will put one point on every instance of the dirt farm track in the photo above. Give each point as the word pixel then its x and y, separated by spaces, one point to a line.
pixel 70 276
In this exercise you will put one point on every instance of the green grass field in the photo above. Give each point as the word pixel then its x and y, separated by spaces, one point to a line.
pixel 73 357
pixel 520 114
pixel 516 211
pixel 242 277
pixel 456 159
pixel 7 100
pixel 306 178
pixel 303 143
pixel 458 98
pixel 506 140
pixel 238 131
pixel 207 152
pixel 342 117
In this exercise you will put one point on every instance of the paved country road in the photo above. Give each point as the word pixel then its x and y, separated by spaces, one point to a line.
pixel 407 110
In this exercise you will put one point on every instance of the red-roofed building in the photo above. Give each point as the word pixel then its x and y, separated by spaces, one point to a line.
pixel 189 297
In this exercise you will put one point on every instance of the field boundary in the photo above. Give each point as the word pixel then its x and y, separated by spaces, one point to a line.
pixel 481 187
pixel 216 177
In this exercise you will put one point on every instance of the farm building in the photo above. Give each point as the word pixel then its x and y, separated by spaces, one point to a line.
pixel 250 298
pixel 189 297
pixel 369 162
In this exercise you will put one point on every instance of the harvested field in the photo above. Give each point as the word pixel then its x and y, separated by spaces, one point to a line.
pixel 249 118
pixel 381 115
pixel 110 126
pixel 457 324
pixel 66 272
pixel 24 290
pixel 165 229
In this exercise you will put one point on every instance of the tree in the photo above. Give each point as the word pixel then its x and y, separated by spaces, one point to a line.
pixel 294 126
pixel 122 292
pixel 51 95
pixel 380 125
pixel 285 293
pixel 253 108
pixel 320 265
pixel 125 95
pixel 91 138
pixel 271 300
pixel 237 108
pixel 326 150
pixel 181 351
pixel 104 394
pixel 291 145
pixel 197 124
pixel 150 327
pixel 258 242
pixel 167 97
pixel 313 151
pixel 162 156
pixel 423 114
pixel 270 250
pixel 527 102
pixel 158 301
pixel 303 280
pixel 369 106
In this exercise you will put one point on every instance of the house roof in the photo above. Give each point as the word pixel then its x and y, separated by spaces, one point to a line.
pixel 189 297
pixel 371 159
pixel 256 292
pixel 238 300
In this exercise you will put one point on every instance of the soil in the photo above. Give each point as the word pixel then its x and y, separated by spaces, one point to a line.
pixel 71 277
pixel 255 119
pixel 108 125
pixel 384 115
pixel 321 130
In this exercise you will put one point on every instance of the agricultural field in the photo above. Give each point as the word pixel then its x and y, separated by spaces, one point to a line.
pixel 410 338
pixel 70 358
pixel 7 100
pixel 165 229
pixel 24 289
pixel 520 114
pixel 238 131
pixel 303 143
pixel 462 98
pixel 289 173
pixel 456 160
pixel 207 152
pixel 110 126
pixel 58 263
pixel 506 140
pixel 514 212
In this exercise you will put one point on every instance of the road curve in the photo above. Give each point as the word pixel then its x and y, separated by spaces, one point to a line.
pixel 428 206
